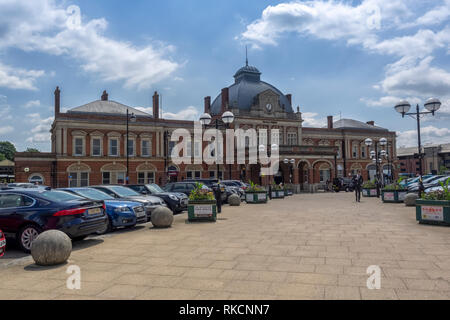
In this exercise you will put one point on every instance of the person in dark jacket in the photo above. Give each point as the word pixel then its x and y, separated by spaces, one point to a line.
pixel 218 196
pixel 357 183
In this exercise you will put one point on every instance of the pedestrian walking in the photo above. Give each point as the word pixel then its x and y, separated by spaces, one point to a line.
pixel 357 183
pixel 218 197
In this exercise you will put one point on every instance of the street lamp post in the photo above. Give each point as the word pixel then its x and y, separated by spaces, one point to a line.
pixel 432 105
pixel 131 118
pixel 291 163
pixel 375 156
pixel 226 121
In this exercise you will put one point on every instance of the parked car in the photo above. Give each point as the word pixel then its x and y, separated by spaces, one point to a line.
pixel 414 187
pixel 120 192
pixel 182 187
pixel 2 243
pixel 121 213
pixel 437 182
pixel 235 186
pixel 176 201
pixel 343 184
pixel 24 185
pixel 212 184
pixel 25 213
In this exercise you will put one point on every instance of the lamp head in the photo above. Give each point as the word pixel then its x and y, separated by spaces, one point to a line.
pixel 205 119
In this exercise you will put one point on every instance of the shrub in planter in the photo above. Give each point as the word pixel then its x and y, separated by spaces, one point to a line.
pixel 393 193
pixel 434 207
pixel 369 189
pixel 276 192
pixel 255 194
pixel 201 205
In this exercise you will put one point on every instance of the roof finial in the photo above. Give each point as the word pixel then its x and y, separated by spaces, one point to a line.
pixel 246 57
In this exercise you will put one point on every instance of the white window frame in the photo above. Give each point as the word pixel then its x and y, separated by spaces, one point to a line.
pixel 149 177
pixel 78 179
pixel 83 146
pixel 149 141
pixel 117 147
pixel 92 146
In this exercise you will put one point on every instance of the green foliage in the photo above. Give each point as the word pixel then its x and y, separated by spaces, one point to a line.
pixel 394 187
pixel 254 188
pixel 443 170
pixel 2 157
pixel 199 193
pixel 369 185
pixel 276 187
pixel 7 149
pixel 288 186
pixel 32 150
pixel 443 195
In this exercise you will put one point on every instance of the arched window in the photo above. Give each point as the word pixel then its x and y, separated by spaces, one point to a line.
pixel 146 173
pixel 325 173
pixel 78 175
pixel 36 178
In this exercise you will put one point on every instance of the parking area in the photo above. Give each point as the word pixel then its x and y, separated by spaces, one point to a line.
pixel 309 246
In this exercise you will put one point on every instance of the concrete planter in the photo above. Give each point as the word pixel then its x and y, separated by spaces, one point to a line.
pixel 204 210
pixel 393 196
pixel 277 194
pixel 433 212
pixel 288 192
pixel 372 192
pixel 256 197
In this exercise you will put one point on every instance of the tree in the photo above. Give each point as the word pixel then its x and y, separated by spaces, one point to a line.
pixel 2 157
pixel 8 150
pixel 32 150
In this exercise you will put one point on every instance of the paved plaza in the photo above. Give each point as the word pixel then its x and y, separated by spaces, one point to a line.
pixel 309 246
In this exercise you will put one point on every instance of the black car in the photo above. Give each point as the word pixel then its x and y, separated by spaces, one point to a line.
pixel 27 212
pixel 176 201
pixel 343 184
pixel 182 187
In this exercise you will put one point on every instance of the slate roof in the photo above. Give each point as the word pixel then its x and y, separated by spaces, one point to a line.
pixel 243 92
pixel 107 107
pixel 355 124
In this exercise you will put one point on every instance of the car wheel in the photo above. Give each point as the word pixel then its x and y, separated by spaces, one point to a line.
pixel 107 229
pixel 347 189
pixel 26 236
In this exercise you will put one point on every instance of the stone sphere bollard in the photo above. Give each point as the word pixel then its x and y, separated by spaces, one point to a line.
pixel 410 199
pixel 162 217
pixel 234 200
pixel 51 248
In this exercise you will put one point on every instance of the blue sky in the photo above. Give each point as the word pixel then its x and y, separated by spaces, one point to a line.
pixel 349 58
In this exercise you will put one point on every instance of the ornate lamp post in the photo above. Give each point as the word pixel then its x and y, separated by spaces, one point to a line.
pixel 432 105
pixel 291 163
pixel 130 118
pixel 226 120
pixel 374 154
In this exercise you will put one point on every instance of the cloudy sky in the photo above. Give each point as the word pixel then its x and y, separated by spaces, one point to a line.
pixel 350 59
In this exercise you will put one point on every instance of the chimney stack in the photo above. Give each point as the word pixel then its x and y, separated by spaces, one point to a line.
pixel 207 104
pixel 57 101
pixel 330 122
pixel 225 99
pixel 371 123
pixel 156 105
pixel 104 96
pixel 289 97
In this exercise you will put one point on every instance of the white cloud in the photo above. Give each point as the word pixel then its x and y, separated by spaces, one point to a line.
pixel 435 16
pixel 41 132
pixel 429 134
pixel 6 129
pixel 33 103
pixel 388 101
pixel 311 119
pixel 329 20
pixel 44 26
pixel 18 78
pixel 5 108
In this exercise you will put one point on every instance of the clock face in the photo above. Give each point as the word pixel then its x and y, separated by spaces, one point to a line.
pixel 269 107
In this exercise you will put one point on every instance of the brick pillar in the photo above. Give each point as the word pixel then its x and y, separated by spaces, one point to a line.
pixel 296 177
pixel 225 100
pixel 207 104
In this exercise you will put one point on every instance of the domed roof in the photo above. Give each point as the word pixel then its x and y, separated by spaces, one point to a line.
pixel 243 92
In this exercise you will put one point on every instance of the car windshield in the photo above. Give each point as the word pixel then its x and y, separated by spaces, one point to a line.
pixel 154 188
pixel 93 194
pixel 124 192
pixel 54 195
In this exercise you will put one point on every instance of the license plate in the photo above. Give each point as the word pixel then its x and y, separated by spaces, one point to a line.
pixel 140 214
pixel 94 211
pixel 2 243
